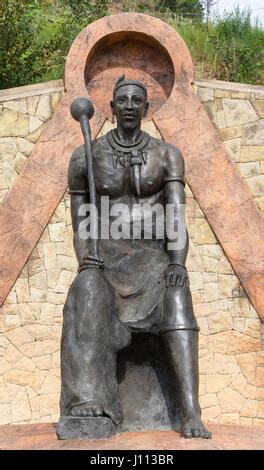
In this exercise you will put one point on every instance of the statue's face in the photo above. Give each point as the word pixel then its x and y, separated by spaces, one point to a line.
pixel 129 105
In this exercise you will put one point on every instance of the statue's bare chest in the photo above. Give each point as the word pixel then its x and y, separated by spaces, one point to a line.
pixel 132 173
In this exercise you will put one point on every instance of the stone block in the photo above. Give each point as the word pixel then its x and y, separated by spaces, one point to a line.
pixel 43 362
pixel 32 102
pixel 9 173
pixel 205 94
pixel 12 354
pixel 34 124
pixel 57 231
pixel 50 346
pixel 39 332
pixel 20 106
pixel 222 341
pixel 20 408
pixel 35 135
pixel 70 427
pixel 253 133
pixel 258 105
pixel 222 93
pixel 64 281
pixel 13 124
pixel 196 281
pixel 203 325
pixel 233 148
pixel 203 233
pixel 38 280
pixel 253 327
pixel 22 290
pixel 242 344
pixel 210 277
pixel 238 112
pixel 55 99
pixel 4 397
pixel 230 400
pixel 243 95
pixel 25 364
pixel 67 262
pixel 227 285
pixel 44 110
pixel 256 185
pixel 17 376
pixel 37 380
pixel 230 132
pixel 207 400
pixel 221 121
pixel 50 385
pixel 48 314
pixel 19 162
pixel 215 383
pixel 19 336
pixel 249 169
pixel 229 418
pixel 49 404
pixel 33 349
pixel 251 153
pixel 211 414
pixel 35 266
pixel 4 366
pixel 5 414
pixel 259 377
pixel 211 111
pixel 211 291
pixel 24 146
pixel 250 409
pixel 52 277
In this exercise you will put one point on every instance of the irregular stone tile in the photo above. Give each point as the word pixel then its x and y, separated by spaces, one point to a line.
pixel 238 112
pixel 20 106
pixel 44 110
pixel 253 133
pixel 13 124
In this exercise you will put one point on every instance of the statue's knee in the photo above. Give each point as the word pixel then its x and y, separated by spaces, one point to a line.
pixel 178 309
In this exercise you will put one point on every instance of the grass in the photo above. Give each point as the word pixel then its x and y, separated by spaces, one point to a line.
pixel 36 36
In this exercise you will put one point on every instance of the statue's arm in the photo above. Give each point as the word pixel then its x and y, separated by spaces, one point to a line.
pixel 78 190
pixel 177 250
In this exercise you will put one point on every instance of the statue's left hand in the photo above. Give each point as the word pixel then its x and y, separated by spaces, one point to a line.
pixel 176 275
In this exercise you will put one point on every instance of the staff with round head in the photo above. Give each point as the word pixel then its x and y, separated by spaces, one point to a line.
pixel 82 110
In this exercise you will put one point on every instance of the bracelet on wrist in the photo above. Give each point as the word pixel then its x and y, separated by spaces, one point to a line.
pixel 177 264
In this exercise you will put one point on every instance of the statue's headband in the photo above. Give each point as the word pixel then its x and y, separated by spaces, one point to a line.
pixel 122 82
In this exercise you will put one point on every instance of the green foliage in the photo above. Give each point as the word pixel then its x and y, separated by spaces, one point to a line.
pixel 36 36
pixel 229 48
pixel 191 9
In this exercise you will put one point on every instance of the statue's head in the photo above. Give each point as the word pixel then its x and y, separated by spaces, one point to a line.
pixel 130 102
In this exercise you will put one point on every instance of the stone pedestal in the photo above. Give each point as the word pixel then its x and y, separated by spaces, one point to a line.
pixel 72 427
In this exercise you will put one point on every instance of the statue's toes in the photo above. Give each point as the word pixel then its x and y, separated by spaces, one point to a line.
pixel 186 432
pixel 201 432
pixel 98 410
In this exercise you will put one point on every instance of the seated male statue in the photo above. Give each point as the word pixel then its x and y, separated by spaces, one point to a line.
pixel 142 284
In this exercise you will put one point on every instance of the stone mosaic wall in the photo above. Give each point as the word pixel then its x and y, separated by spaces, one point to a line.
pixel 231 354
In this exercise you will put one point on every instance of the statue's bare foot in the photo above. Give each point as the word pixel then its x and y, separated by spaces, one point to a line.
pixel 91 408
pixel 193 427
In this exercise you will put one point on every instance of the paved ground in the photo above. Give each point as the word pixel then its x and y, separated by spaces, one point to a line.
pixel 43 436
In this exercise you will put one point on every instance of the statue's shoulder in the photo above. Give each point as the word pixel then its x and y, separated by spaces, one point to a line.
pixel 78 155
pixel 99 144
pixel 168 150
pixel 172 159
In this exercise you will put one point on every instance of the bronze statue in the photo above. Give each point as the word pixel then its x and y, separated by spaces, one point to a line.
pixel 136 284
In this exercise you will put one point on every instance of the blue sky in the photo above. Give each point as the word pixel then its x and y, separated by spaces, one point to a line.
pixel 257 7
